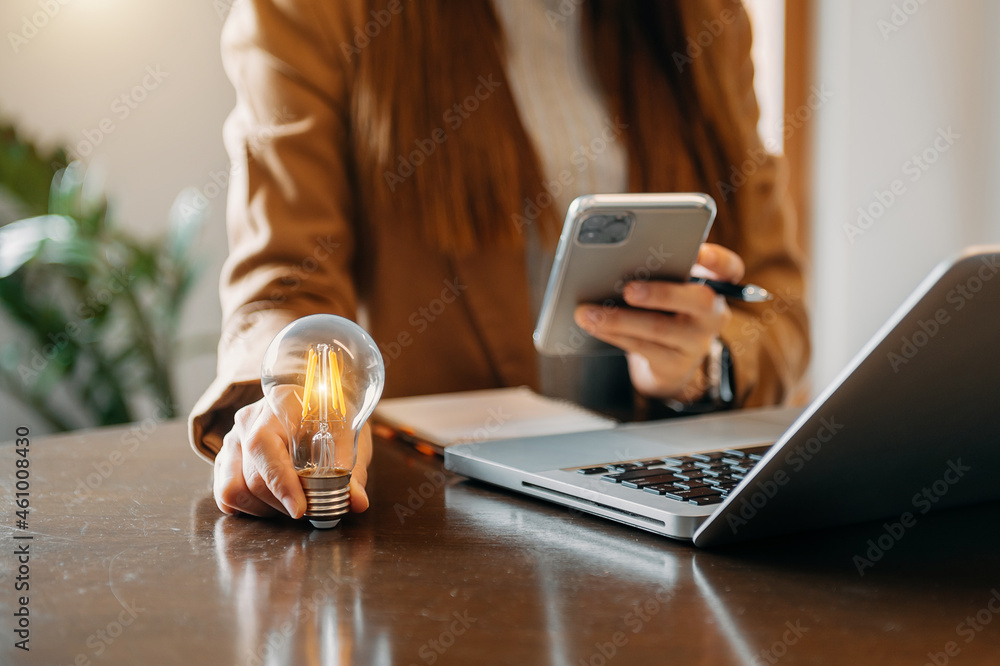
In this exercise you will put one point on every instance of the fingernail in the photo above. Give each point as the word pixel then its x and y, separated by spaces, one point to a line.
pixel 359 498
pixel 291 506
pixel 592 316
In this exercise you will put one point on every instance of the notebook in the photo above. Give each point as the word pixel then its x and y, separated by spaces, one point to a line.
pixel 445 419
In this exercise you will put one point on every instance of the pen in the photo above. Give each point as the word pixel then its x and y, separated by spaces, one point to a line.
pixel 749 293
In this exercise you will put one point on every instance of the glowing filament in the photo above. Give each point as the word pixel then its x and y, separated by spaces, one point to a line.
pixel 323 400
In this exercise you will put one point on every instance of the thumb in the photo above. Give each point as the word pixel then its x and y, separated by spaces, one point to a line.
pixel 359 475
pixel 359 496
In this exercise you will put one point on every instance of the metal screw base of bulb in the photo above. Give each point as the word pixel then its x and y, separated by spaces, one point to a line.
pixel 327 499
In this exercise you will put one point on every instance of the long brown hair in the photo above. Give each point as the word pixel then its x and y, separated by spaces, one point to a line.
pixel 462 187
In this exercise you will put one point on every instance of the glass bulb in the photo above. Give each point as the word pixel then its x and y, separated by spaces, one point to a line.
pixel 322 376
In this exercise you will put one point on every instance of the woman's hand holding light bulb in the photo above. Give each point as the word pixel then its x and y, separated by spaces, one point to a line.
pixel 304 448
pixel 254 474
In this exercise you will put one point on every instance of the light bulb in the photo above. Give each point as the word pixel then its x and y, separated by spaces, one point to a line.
pixel 322 376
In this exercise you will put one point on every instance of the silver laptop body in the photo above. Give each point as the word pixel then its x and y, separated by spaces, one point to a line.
pixel 911 425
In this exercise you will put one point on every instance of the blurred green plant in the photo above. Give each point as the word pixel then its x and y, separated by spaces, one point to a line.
pixel 98 307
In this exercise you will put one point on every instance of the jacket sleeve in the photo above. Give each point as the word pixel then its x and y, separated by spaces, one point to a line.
pixel 769 342
pixel 290 210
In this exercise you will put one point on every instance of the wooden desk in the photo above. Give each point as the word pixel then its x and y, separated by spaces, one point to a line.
pixel 132 563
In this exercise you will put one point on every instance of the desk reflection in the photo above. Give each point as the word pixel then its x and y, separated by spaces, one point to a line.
pixel 648 605
pixel 764 602
pixel 295 593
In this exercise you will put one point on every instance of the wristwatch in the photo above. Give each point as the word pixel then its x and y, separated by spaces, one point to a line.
pixel 720 393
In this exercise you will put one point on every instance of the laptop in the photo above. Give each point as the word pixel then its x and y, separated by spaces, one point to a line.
pixel 911 425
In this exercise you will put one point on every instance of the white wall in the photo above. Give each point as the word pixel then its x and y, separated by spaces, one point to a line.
pixel 768 50
pixel 893 90
pixel 63 82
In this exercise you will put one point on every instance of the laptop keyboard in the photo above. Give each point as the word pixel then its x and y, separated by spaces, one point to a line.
pixel 701 478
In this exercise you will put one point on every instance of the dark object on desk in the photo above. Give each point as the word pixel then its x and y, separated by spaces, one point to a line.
pixel 905 428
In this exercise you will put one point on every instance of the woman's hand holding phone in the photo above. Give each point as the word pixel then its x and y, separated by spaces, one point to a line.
pixel 671 331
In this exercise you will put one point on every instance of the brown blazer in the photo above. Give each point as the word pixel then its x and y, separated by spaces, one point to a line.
pixel 444 323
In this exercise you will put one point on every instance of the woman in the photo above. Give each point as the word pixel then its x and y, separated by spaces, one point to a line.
pixel 409 163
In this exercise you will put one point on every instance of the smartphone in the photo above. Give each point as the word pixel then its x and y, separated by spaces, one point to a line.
pixel 607 241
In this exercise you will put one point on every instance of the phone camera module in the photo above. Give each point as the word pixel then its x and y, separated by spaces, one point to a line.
pixel 605 229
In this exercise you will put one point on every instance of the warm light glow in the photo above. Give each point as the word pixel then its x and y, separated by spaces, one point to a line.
pixel 323 398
